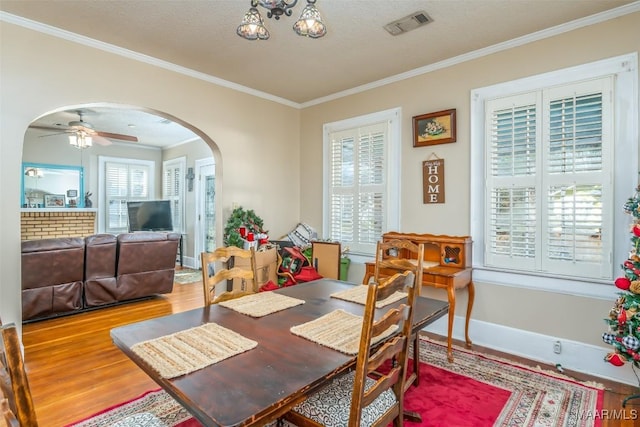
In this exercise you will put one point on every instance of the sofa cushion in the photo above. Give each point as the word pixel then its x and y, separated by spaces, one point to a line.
pixel 51 300
pixel 146 251
pixel 100 256
pixel 52 262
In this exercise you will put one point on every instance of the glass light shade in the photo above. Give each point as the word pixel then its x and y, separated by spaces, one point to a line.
pixel 252 26
pixel 80 140
pixel 310 23
pixel 272 4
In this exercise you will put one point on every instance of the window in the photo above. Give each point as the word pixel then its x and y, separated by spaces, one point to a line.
pixel 173 177
pixel 123 180
pixel 550 155
pixel 361 196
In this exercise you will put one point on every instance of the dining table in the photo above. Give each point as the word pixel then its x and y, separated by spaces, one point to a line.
pixel 261 384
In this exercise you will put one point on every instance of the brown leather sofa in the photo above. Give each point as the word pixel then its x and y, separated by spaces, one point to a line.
pixel 100 284
pixel 52 276
pixel 66 275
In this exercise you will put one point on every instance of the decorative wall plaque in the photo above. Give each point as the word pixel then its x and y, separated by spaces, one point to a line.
pixel 433 180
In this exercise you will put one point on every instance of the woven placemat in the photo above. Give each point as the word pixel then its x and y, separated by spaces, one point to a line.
pixel 261 303
pixel 192 349
pixel 358 294
pixel 338 330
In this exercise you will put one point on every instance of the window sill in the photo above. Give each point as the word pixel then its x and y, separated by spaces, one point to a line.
pixel 598 290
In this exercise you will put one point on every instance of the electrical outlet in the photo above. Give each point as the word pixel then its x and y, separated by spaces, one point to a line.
pixel 557 347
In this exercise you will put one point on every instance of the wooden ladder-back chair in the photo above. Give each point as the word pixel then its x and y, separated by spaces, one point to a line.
pixel 9 417
pixel 403 255
pixel 17 404
pixel 19 407
pixel 222 256
pixel 369 395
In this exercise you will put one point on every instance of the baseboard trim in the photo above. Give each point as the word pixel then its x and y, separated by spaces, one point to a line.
pixel 576 356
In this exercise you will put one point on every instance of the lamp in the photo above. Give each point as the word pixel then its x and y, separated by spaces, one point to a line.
pixel 309 24
pixel 80 140
pixel 34 173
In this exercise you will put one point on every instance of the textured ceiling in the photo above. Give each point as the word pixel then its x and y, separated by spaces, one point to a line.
pixel 200 35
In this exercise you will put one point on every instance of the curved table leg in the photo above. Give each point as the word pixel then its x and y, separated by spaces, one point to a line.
pixel 451 293
pixel 366 278
pixel 472 292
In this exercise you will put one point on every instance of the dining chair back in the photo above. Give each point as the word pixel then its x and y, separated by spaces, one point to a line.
pixel 220 258
pixel 373 394
pixel 399 255
pixel 17 404
pixel 10 419
pixel 13 380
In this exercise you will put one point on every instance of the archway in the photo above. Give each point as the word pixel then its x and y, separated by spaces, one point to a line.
pixel 49 146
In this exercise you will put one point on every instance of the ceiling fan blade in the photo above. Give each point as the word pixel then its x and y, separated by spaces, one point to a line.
pixel 100 140
pixel 61 129
pixel 116 136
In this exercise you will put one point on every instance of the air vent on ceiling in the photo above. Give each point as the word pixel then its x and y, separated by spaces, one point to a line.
pixel 408 23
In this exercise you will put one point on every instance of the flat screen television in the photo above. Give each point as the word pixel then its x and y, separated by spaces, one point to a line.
pixel 150 215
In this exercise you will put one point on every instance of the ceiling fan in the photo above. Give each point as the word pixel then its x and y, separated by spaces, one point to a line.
pixel 81 128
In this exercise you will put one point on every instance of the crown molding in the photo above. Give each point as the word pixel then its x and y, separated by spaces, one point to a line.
pixel 96 44
pixel 529 38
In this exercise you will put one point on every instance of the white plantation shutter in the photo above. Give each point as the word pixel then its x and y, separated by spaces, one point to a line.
pixel 357 199
pixel 123 182
pixel 173 176
pixel 549 161
pixel 512 171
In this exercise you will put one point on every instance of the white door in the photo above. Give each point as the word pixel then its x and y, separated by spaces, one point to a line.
pixel 205 223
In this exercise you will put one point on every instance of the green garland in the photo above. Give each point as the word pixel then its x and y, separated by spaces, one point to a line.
pixel 241 218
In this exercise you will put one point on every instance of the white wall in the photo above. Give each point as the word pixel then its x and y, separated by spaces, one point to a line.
pixel 41 73
pixel 256 160
pixel 517 320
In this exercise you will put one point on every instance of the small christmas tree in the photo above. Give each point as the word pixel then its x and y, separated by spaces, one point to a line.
pixel 624 317
pixel 241 218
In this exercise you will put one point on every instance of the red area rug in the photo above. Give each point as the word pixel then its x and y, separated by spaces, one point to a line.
pixel 474 391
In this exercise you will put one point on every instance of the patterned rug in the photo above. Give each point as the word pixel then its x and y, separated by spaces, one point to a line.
pixel 474 391
pixel 187 275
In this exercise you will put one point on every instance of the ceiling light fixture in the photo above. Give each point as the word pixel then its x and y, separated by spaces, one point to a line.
pixel 80 140
pixel 309 24
pixel 34 172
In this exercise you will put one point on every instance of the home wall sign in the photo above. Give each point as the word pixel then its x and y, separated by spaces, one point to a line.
pixel 433 180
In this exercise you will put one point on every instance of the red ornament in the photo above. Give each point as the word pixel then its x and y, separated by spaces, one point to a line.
pixel 622 316
pixel 636 230
pixel 623 283
pixel 615 359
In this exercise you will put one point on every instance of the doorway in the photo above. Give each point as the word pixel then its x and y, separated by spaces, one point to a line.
pixel 205 221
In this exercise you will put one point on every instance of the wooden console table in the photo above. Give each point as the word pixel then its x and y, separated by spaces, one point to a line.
pixel 447 262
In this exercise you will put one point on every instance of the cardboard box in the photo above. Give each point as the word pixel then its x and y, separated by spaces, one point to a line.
pixel 266 269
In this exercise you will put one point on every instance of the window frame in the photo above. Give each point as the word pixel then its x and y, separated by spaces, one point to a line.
pixel 102 205
pixel 392 179
pixel 179 163
pixel 625 168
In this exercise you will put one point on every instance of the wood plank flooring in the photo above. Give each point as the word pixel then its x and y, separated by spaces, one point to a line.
pixel 75 370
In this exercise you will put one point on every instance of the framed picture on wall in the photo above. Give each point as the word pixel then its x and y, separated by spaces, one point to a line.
pixel 54 201
pixel 434 128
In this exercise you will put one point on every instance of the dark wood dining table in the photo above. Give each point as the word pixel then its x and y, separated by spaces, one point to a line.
pixel 259 385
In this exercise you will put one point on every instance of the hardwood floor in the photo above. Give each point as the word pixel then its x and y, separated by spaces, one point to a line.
pixel 75 370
